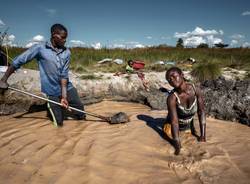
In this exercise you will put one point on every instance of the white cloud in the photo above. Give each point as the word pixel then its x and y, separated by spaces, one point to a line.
pixel 194 41
pixel 134 44
pixel 245 13
pixel 35 40
pixel 213 40
pixel 9 40
pixel 246 44
pixel 198 36
pixel 149 37
pixel 96 45
pixel 234 42
pixel 2 23
pixel 237 40
pixel 77 43
pixel 221 32
pixel 51 12
pixel 115 45
pixel 237 36
pixel 182 35
pixel 139 46
pixel 198 32
pixel 127 45
pixel 38 38
pixel 30 44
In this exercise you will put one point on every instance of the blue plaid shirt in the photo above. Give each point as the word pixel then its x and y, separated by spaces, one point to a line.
pixel 53 65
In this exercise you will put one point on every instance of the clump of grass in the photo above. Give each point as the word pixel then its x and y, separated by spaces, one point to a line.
pixel 80 69
pixel 247 76
pixel 90 77
pixel 206 71
pixel 158 68
pixel 110 67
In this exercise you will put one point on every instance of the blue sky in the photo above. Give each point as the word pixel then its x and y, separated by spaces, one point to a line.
pixel 130 23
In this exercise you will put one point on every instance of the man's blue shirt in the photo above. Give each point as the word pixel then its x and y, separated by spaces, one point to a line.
pixel 53 65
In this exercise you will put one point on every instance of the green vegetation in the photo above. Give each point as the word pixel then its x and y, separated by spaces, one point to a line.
pixel 203 45
pixel 85 59
pixel 90 77
pixel 79 69
pixel 180 43
pixel 247 75
pixel 206 71
pixel 158 67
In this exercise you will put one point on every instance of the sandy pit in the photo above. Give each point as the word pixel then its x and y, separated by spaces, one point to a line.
pixel 32 150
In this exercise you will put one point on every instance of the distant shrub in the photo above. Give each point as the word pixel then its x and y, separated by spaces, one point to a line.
pixel 206 71
pixel 203 45
pixel 180 43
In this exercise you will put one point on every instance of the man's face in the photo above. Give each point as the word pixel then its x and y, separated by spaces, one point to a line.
pixel 59 38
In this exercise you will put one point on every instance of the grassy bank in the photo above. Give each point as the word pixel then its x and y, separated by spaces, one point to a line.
pixel 85 59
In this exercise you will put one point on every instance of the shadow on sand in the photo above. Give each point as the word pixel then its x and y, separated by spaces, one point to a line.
pixel 156 124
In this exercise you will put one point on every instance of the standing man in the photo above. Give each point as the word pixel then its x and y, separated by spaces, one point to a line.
pixel 53 61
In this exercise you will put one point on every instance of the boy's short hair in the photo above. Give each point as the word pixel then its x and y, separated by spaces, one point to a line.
pixel 58 27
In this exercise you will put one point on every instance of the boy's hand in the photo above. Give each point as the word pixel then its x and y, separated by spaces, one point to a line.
pixel 65 103
pixel 3 85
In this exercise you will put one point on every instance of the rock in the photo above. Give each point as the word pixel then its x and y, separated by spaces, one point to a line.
pixel 224 99
pixel 228 99
pixel 120 117
pixel 157 100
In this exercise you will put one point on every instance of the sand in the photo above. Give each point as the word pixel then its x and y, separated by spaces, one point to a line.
pixel 92 151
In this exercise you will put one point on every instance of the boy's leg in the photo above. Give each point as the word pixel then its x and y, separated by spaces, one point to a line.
pixel 56 111
pixel 75 101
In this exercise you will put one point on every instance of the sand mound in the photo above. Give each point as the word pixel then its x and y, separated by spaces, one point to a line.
pixel 33 151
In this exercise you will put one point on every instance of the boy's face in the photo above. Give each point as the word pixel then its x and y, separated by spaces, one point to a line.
pixel 59 38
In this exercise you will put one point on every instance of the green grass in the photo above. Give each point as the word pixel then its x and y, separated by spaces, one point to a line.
pixel 90 77
pixel 79 69
pixel 247 76
pixel 157 67
pixel 205 71
pixel 85 59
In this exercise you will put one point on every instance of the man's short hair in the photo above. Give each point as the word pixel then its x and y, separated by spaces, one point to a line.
pixel 58 27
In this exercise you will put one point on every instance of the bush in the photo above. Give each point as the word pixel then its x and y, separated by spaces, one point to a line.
pixel 203 45
pixel 206 71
